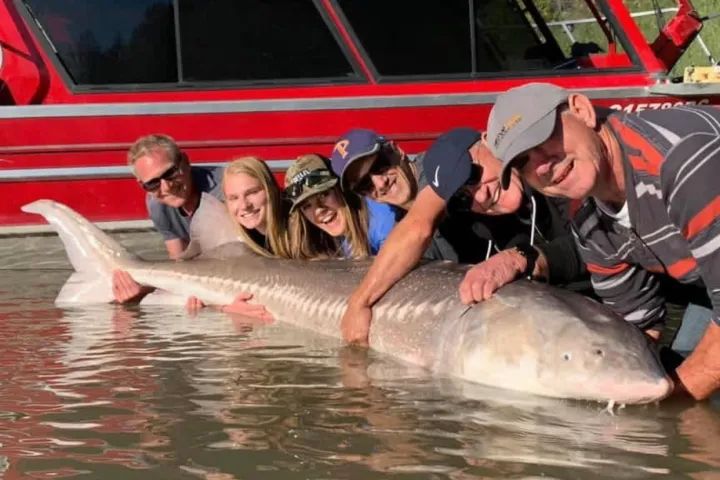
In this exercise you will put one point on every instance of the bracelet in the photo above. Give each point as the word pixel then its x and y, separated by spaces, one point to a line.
pixel 531 255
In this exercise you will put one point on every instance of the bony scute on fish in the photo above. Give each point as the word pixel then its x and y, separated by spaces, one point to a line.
pixel 528 337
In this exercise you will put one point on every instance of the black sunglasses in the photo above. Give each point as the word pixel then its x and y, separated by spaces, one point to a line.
pixel 312 179
pixel 381 165
pixel 476 172
pixel 168 175
pixel 462 199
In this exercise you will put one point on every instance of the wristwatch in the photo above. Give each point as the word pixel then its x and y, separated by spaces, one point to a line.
pixel 531 255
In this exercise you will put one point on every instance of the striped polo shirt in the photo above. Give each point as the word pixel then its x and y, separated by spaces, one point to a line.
pixel 672 184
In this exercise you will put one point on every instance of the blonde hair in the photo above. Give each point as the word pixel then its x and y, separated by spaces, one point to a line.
pixel 275 230
pixel 152 143
pixel 307 241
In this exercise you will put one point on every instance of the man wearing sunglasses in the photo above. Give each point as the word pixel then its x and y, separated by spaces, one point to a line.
pixel 516 232
pixel 174 189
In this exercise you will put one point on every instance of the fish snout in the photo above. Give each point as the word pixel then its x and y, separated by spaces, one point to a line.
pixel 640 392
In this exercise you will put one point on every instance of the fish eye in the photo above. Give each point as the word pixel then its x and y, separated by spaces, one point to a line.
pixel 567 357
pixel 599 352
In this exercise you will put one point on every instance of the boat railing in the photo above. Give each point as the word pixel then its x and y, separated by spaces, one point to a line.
pixel 567 27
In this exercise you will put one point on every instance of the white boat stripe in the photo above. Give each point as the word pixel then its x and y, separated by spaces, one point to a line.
pixel 280 105
pixel 75 173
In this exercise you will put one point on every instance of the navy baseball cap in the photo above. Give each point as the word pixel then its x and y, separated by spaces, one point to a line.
pixel 447 163
pixel 355 144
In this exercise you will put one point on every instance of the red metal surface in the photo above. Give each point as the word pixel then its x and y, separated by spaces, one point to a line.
pixel 102 200
pixel 101 141
pixel 677 34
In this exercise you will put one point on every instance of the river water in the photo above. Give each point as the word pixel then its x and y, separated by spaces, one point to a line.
pixel 110 392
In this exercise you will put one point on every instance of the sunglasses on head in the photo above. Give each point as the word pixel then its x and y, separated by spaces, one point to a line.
pixel 168 175
pixel 312 179
pixel 381 165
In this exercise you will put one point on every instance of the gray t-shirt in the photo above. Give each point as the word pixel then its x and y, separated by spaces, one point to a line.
pixel 174 223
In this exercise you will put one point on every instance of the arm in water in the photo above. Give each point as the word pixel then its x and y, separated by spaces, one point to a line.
pixel 694 208
pixel 240 306
pixel 402 250
pixel 126 290
pixel 175 247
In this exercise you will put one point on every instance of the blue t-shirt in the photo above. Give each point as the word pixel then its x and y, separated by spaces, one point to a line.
pixel 381 220
pixel 173 222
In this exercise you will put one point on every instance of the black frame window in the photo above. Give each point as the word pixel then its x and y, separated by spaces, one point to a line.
pixel 470 38
pixel 112 42
pixel 252 40
pixel 106 44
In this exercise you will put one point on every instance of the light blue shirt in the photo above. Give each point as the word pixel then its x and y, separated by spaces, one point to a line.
pixel 381 220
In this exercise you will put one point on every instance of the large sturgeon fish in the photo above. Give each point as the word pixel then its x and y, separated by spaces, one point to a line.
pixel 528 337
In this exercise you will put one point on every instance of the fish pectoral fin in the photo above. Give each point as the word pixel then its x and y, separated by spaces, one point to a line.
pixel 86 287
pixel 161 297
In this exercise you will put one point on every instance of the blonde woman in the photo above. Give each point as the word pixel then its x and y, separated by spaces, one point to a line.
pixel 325 223
pixel 254 201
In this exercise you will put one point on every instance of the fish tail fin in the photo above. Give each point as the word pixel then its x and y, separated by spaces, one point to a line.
pixel 93 254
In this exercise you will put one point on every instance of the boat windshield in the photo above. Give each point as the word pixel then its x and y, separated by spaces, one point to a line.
pixel 106 42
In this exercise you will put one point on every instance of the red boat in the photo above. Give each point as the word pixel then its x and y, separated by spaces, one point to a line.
pixel 81 80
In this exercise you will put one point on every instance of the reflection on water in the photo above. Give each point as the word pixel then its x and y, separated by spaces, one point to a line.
pixel 108 392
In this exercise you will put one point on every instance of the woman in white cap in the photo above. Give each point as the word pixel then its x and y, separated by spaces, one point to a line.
pixel 325 223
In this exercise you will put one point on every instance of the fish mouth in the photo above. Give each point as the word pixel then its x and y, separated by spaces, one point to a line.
pixel 636 393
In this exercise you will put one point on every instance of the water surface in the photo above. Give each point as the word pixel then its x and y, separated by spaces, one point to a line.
pixel 110 392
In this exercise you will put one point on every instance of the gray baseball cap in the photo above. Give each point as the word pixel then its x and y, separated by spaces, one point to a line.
pixel 522 118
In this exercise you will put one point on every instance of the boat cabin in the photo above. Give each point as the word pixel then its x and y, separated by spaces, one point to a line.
pixel 81 80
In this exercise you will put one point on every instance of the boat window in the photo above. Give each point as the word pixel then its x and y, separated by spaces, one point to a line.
pixel 480 37
pixel 136 42
pixel 257 40
pixel 111 41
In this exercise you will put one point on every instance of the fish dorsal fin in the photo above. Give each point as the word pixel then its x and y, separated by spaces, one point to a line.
pixel 211 227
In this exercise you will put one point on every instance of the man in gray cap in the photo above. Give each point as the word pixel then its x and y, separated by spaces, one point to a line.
pixel 651 203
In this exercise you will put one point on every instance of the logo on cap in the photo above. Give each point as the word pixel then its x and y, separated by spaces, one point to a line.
pixel 507 126
pixel 341 148
pixel 300 175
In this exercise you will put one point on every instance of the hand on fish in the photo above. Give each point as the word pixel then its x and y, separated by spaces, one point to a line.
pixel 355 323
pixel 240 306
pixel 127 290
pixel 482 280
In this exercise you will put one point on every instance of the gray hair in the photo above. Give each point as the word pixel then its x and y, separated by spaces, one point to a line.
pixel 153 143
